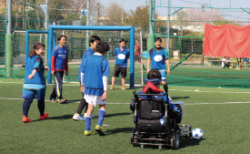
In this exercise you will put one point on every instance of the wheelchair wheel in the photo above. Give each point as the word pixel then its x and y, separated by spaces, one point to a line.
pixel 134 140
pixel 175 141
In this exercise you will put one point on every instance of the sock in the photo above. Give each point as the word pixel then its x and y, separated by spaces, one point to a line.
pixel 26 106
pixel 41 106
pixel 81 106
pixel 101 116
pixel 88 123
pixel 166 88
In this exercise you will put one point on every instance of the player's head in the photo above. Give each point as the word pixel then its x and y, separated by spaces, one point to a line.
pixel 158 42
pixel 62 40
pixel 122 43
pixel 136 41
pixel 38 49
pixel 154 74
pixel 93 41
pixel 102 47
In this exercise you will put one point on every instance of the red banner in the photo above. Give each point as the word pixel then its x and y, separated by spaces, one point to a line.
pixel 227 40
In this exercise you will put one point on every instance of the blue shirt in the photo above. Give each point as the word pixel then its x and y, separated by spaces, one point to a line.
pixel 36 62
pixel 60 55
pixel 121 58
pixel 88 52
pixel 158 58
pixel 94 68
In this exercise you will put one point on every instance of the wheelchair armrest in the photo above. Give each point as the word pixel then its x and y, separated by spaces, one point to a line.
pixel 135 113
pixel 166 114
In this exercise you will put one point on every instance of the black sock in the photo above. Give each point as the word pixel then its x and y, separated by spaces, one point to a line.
pixel 166 88
pixel 26 106
pixel 41 106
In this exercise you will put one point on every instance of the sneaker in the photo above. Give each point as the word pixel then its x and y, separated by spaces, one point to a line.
pixel 61 100
pixel 111 87
pixel 45 115
pixel 123 88
pixel 88 133
pixel 86 114
pixel 53 101
pixel 78 117
pixel 98 129
pixel 26 119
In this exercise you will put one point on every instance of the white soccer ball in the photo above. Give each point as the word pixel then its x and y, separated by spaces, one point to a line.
pixel 197 133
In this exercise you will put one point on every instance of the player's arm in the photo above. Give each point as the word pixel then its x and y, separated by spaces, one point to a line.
pixel 168 65
pixel 128 54
pixel 115 52
pixel 53 59
pixel 148 63
pixel 82 75
pixel 106 73
pixel 66 63
pixel 37 67
pixel 167 62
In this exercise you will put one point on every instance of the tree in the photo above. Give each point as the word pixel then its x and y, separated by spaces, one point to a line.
pixel 115 13
pixel 198 17
pixel 225 22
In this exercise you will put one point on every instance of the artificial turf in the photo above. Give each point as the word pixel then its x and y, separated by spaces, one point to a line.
pixel 225 126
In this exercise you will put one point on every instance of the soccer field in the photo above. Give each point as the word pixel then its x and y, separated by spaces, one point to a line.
pixel 221 113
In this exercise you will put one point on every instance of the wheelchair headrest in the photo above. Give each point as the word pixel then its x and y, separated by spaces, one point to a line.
pixel 154 81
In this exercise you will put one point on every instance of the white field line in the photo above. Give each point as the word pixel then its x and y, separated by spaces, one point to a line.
pixel 77 85
pixel 6 98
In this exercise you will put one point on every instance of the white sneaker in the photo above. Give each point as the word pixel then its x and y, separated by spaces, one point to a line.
pixel 86 114
pixel 78 117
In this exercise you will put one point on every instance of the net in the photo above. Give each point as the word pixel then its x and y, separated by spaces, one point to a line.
pixel 19 47
pixel 76 45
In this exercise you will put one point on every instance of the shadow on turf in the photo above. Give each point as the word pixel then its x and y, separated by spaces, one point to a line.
pixel 64 117
pixel 184 143
pixel 184 97
pixel 117 114
pixel 190 142
pixel 119 130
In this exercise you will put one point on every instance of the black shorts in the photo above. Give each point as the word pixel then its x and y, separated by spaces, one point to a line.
pixel 119 69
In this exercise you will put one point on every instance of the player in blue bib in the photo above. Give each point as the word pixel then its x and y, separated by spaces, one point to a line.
pixel 94 80
pixel 158 58
pixel 93 41
pixel 34 82
pixel 121 59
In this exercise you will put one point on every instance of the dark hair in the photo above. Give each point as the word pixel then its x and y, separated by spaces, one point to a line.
pixel 94 38
pixel 36 46
pixel 60 37
pixel 158 39
pixel 102 47
pixel 122 40
pixel 154 74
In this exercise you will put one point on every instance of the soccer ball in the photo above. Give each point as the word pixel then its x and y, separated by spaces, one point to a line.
pixel 197 133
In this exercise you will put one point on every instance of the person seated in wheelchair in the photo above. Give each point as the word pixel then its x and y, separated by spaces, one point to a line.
pixel 152 86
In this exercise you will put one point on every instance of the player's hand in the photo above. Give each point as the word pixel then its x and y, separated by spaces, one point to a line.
pixel 104 96
pixel 52 72
pixel 169 72
pixel 66 73
pixel 31 76
pixel 46 68
pixel 82 88
pixel 147 71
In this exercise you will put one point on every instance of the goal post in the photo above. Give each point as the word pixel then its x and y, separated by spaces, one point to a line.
pixel 131 30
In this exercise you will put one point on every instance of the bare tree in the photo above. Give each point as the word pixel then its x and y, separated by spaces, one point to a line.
pixel 115 13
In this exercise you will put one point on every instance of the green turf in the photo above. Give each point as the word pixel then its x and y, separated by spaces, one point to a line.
pixel 225 126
